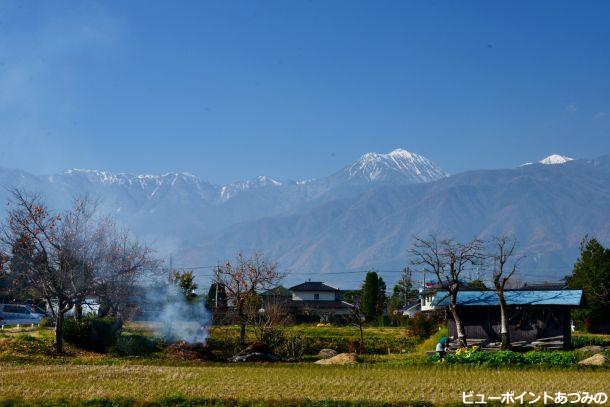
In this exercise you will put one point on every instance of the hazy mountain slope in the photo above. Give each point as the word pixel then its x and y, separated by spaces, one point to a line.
pixel 174 208
pixel 362 216
pixel 548 207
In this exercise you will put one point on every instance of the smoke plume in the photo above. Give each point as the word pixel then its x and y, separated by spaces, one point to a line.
pixel 175 317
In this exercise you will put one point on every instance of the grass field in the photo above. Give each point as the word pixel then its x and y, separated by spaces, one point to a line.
pixel 373 383
pixel 378 340
pixel 30 375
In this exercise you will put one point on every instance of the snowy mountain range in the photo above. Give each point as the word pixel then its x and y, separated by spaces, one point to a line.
pixel 174 208
pixel 362 216
pixel 397 167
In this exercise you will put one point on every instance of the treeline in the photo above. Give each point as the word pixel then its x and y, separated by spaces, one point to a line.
pixel 591 273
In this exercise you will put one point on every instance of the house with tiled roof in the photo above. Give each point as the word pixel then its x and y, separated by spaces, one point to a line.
pixel 317 300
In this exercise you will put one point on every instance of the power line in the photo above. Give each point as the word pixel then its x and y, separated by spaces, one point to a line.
pixel 356 278
pixel 479 272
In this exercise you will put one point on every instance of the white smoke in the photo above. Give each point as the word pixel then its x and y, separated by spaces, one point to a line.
pixel 174 317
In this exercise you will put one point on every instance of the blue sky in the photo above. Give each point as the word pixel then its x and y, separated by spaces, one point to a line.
pixel 297 89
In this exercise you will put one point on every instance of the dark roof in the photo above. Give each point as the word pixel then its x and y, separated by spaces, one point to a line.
pixel 561 285
pixel 279 291
pixel 480 298
pixel 313 286
pixel 434 285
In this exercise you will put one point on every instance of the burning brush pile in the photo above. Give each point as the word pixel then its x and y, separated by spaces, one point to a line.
pixel 187 340
pixel 191 351
pixel 182 323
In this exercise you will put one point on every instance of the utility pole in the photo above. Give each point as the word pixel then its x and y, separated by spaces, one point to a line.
pixel 407 283
pixel 404 287
pixel 424 279
pixel 216 287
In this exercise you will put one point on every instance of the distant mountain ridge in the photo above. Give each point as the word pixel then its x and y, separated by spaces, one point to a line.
pixel 397 167
pixel 175 207
pixel 549 208
pixel 363 215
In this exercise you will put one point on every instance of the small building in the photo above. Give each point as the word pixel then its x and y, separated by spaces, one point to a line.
pixel 410 310
pixel 315 291
pixel 536 317
pixel 316 300
pixel 277 294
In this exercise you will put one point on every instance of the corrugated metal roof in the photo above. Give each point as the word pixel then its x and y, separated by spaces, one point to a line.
pixel 513 297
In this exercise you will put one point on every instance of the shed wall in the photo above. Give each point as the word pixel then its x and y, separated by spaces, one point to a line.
pixel 525 323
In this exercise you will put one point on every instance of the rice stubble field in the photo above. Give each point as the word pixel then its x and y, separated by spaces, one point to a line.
pixel 365 382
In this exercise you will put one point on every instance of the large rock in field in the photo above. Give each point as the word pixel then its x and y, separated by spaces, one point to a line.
pixel 327 353
pixel 591 349
pixel 595 360
pixel 340 359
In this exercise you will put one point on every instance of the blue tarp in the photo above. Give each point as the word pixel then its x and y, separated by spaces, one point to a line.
pixel 526 297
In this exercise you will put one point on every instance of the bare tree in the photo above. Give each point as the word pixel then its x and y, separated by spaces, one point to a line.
pixel 447 260
pixel 80 237
pixel 266 318
pixel 357 319
pixel 503 253
pixel 69 256
pixel 60 264
pixel 244 277
pixel 125 263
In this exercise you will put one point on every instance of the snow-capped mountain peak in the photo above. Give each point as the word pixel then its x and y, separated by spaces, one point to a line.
pixel 556 159
pixel 399 152
pixel 229 191
pixel 122 178
pixel 396 166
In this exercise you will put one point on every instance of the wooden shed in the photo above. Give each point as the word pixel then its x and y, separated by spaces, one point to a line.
pixel 537 318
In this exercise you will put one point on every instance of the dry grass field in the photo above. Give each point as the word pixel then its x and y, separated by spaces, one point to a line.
pixel 31 375
pixel 365 382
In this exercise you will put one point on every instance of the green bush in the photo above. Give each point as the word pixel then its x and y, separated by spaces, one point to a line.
pixel 95 334
pixel 225 344
pixel 272 337
pixel 128 344
pixel 549 358
pixel 422 326
pixel 508 358
pixel 44 323
pixel 292 347
pixel 585 339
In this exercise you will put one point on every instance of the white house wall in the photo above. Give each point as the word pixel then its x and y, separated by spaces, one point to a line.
pixel 310 295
